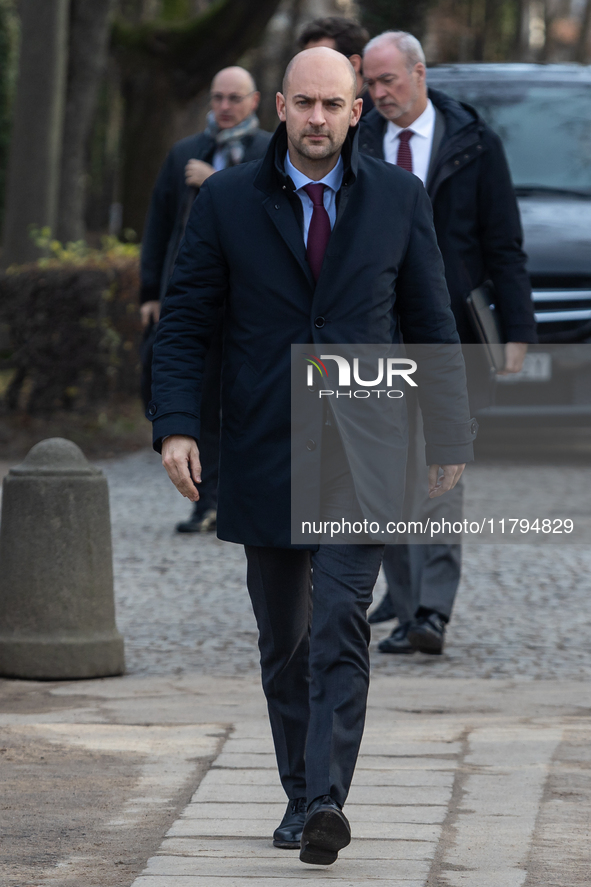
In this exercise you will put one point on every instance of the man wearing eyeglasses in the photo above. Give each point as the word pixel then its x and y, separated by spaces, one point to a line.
pixel 232 136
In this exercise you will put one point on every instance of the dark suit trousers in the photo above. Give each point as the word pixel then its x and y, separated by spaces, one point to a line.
pixel 423 575
pixel 311 609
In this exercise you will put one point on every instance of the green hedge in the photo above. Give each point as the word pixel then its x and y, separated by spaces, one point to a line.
pixel 70 332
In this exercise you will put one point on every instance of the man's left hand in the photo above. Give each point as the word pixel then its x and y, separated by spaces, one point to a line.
pixel 150 311
pixel 514 356
pixel 440 484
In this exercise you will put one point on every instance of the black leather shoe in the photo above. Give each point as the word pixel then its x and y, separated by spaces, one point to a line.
pixel 326 831
pixel 199 523
pixel 289 834
pixel 399 641
pixel 383 612
pixel 427 634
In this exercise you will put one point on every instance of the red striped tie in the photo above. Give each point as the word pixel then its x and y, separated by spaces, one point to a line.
pixel 404 156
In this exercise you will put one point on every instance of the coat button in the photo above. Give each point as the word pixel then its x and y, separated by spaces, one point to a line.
pixel 310 445
pixel 152 409
pixel 456 162
pixel 479 147
pixel 466 157
pixel 319 323
pixel 276 206
pixel 474 427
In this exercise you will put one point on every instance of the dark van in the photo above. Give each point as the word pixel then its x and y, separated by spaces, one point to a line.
pixel 543 115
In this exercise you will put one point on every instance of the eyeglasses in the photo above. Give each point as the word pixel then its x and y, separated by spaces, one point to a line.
pixel 216 98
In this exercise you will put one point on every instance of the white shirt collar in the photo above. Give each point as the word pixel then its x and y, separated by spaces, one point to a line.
pixel 422 126
pixel 332 180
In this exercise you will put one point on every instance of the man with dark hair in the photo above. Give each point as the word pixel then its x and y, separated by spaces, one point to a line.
pixel 461 162
pixel 312 244
pixel 346 36
pixel 232 136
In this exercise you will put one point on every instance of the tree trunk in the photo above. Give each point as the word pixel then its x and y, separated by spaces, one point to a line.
pixel 491 11
pixel 35 148
pixel 148 121
pixel 89 31
pixel 477 23
pixel 399 15
pixel 582 54
pixel 162 68
pixel 8 66
pixel 550 14
pixel 521 39
pixel 270 60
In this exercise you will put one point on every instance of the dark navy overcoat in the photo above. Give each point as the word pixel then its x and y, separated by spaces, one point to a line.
pixel 382 278
pixel 475 214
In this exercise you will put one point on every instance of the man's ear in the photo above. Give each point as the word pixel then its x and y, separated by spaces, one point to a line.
pixel 280 105
pixel 421 72
pixel 356 112
pixel 357 62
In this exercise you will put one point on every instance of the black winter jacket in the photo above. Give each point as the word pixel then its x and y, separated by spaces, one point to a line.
pixel 476 216
pixel 382 276
pixel 171 203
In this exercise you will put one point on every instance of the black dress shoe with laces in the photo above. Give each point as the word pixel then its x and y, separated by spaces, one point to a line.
pixel 383 612
pixel 427 634
pixel 326 831
pixel 399 641
pixel 289 833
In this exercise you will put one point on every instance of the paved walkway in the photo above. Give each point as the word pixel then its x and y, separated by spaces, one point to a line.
pixel 475 768
pixel 399 804
pixel 460 783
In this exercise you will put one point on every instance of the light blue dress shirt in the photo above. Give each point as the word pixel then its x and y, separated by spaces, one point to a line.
pixel 332 180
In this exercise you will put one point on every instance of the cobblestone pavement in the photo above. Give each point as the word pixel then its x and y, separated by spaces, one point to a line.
pixel 183 607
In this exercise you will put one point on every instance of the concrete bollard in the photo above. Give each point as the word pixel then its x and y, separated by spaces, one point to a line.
pixel 57 610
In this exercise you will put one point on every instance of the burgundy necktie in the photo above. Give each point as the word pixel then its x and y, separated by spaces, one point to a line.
pixel 404 156
pixel 319 230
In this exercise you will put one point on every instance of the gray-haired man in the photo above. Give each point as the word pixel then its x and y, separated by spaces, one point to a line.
pixel 463 167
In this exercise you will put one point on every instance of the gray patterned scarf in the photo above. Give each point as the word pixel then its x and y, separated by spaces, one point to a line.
pixel 228 141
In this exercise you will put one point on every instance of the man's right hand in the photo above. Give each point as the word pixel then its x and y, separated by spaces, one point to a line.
pixel 150 311
pixel 180 457
pixel 197 171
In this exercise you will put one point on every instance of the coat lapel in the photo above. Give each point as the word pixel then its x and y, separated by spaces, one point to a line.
pixel 438 134
pixel 283 217
pixel 272 181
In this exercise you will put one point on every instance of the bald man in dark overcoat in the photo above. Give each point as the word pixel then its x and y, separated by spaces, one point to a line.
pixel 313 244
